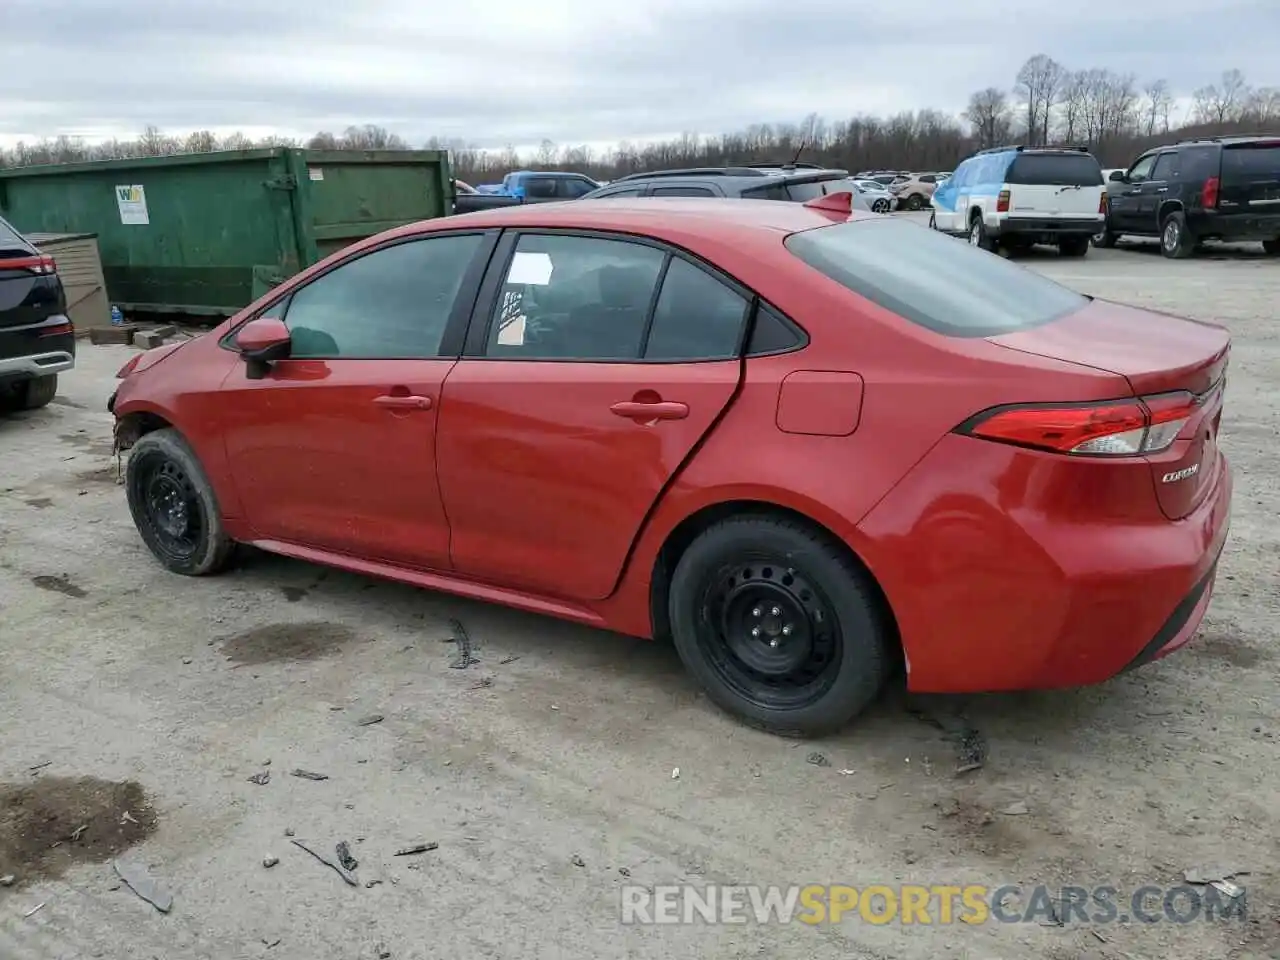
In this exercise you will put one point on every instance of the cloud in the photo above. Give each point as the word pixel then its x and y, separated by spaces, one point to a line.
pixel 571 71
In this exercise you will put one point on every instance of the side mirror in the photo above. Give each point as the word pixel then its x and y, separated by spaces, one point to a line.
pixel 262 342
pixel 1117 176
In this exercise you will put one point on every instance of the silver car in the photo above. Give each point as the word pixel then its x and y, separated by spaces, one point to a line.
pixel 878 196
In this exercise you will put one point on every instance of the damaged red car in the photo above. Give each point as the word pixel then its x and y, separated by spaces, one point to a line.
pixel 810 445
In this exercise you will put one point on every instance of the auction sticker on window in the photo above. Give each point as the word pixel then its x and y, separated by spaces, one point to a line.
pixel 132 201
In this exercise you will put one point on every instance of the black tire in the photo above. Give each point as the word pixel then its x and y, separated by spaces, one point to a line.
pixel 1074 246
pixel 880 206
pixel 1272 247
pixel 779 625
pixel 1176 241
pixel 915 202
pixel 36 393
pixel 978 234
pixel 1106 239
pixel 174 507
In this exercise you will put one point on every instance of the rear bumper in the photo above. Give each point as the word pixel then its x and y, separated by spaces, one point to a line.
pixel 1048 229
pixel 1003 572
pixel 52 359
pixel 1232 227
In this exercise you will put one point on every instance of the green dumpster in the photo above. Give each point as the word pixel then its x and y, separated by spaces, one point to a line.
pixel 206 234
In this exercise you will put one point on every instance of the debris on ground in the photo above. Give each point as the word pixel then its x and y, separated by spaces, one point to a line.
pixel 369 720
pixel 261 779
pixel 78 832
pixel 1016 809
pixel 818 760
pixel 505 660
pixel 577 861
pixel 308 775
pixel 187 661
pixel 383 952
pixel 288 831
pixel 343 850
pixel 416 849
pixel 8 880
pixel 270 861
pixel 33 911
pixel 971 747
pixel 624 871
pixel 333 864
pixel 39 766
pixel 482 683
pixel 1227 888
pixel 273 942
pixel 675 771
pixel 140 882
pixel 464 658
pixel 847 772
pixel 1202 876
pixel 370 884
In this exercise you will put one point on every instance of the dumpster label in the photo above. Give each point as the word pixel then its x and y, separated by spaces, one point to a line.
pixel 315 173
pixel 132 201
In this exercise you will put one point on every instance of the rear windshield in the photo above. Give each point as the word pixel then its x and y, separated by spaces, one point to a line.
pixel 1260 161
pixel 9 237
pixel 933 280
pixel 1056 169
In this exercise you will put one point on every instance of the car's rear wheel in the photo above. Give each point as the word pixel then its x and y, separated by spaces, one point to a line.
pixel 1272 247
pixel 978 235
pixel 779 624
pixel 174 506
pixel 1106 239
pixel 915 202
pixel 1176 241
pixel 1074 246
pixel 29 394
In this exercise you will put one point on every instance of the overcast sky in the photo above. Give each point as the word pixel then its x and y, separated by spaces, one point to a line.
pixel 573 71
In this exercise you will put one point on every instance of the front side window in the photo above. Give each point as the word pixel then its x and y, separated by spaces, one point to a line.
pixel 540 188
pixel 927 278
pixel 1166 167
pixel 392 303
pixel 1141 170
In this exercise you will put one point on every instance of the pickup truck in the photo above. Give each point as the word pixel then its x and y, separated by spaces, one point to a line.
pixel 527 186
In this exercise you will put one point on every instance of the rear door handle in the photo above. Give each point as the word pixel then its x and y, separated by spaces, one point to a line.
pixel 403 403
pixel 1163 190
pixel 661 410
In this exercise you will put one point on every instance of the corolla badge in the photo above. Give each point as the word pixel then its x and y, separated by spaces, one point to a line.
pixel 1182 474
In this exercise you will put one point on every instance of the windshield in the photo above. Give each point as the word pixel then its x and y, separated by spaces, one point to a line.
pixel 929 279
pixel 1056 169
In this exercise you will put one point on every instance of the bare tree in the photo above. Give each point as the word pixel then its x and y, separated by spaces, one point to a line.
pixel 1157 101
pixel 1037 85
pixel 1223 102
pixel 546 155
pixel 1263 106
pixel 989 115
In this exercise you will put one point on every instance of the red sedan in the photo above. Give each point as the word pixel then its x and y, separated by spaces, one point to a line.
pixel 806 444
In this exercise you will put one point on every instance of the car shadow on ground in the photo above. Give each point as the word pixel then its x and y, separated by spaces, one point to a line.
pixel 1209 251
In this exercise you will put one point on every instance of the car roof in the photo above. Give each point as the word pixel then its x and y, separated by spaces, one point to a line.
pixel 648 216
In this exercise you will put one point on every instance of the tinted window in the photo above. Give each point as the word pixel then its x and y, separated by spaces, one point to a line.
pixel 394 302
pixel 1251 161
pixel 930 279
pixel 1167 166
pixel 801 192
pixel 682 192
pixel 540 187
pixel 928 178
pixel 574 298
pixel 1200 163
pixel 697 318
pixel 1055 169
pixel 771 191
pixel 629 192
pixel 573 187
pixel 771 333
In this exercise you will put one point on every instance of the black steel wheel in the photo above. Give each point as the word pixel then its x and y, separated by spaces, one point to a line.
pixel 174 507
pixel 915 202
pixel 779 623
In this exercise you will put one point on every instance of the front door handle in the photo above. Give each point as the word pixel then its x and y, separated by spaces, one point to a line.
pixel 658 410
pixel 403 403
pixel 1163 190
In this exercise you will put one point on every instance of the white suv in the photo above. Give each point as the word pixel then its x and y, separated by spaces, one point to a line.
pixel 1015 196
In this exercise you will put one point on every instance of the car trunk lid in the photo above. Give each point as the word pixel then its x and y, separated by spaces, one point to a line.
pixel 1174 364
pixel 1250 177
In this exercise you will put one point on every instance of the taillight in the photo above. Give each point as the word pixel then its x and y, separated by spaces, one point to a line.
pixel 1002 201
pixel 1119 428
pixel 41 266
pixel 58 329
pixel 1209 195
pixel 1102 203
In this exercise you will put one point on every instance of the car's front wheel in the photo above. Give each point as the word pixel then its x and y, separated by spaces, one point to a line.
pixel 880 206
pixel 779 624
pixel 174 506
pixel 1271 247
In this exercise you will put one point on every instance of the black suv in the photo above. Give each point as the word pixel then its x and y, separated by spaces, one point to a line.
pixel 764 181
pixel 37 340
pixel 1215 188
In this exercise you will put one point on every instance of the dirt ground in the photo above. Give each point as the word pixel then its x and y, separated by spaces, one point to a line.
pixel 545 770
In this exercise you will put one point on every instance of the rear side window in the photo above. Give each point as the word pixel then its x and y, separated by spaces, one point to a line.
pixel 810 190
pixel 931 280
pixel 1250 161
pixel 1055 169
pixel 1199 163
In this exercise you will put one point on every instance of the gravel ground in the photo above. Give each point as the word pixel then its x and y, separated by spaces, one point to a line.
pixel 136 705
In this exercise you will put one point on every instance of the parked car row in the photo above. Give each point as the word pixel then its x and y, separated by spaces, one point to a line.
pixel 1184 194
